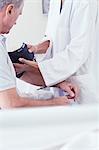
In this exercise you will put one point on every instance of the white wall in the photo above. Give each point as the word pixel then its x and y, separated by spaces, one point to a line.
pixel 30 26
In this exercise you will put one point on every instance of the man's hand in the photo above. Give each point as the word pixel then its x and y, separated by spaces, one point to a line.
pixel 70 88
pixel 62 100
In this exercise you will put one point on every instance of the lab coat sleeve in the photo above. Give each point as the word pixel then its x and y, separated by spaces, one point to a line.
pixel 65 64
pixel 48 54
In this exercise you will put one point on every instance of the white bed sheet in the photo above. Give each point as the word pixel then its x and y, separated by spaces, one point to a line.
pixel 45 128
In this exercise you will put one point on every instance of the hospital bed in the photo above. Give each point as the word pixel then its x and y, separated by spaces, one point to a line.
pixel 46 128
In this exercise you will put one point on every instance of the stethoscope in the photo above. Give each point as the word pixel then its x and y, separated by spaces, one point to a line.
pixel 61 6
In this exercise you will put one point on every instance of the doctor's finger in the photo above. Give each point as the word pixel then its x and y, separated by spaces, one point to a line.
pixel 31 48
pixel 75 89
pixel 69 91
pixel 28 62
pixel 19 67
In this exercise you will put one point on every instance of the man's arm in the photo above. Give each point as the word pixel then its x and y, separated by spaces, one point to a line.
pixel 10 99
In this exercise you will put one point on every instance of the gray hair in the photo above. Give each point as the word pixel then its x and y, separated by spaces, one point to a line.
pixel 17 3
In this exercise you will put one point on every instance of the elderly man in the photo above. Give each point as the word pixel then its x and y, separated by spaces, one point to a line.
pixel 9 97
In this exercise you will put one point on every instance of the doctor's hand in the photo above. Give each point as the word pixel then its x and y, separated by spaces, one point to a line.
pixel 39 48
pixel 31 70
pixel 30 65
pixel 25 65
pixel 19 68
pixel 70 88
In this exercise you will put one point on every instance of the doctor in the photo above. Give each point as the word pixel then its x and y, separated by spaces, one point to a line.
pixel 73 49
pixel 45 48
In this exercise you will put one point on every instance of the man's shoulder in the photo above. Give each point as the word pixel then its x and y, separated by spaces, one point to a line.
pixel 2 45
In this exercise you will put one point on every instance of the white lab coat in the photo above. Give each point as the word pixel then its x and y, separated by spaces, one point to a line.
pixel 73 48
pixel 97 52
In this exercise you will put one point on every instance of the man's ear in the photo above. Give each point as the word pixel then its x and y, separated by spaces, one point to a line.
pixel 9 9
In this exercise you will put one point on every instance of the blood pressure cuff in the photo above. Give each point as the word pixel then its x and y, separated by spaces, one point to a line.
pixel 22 52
